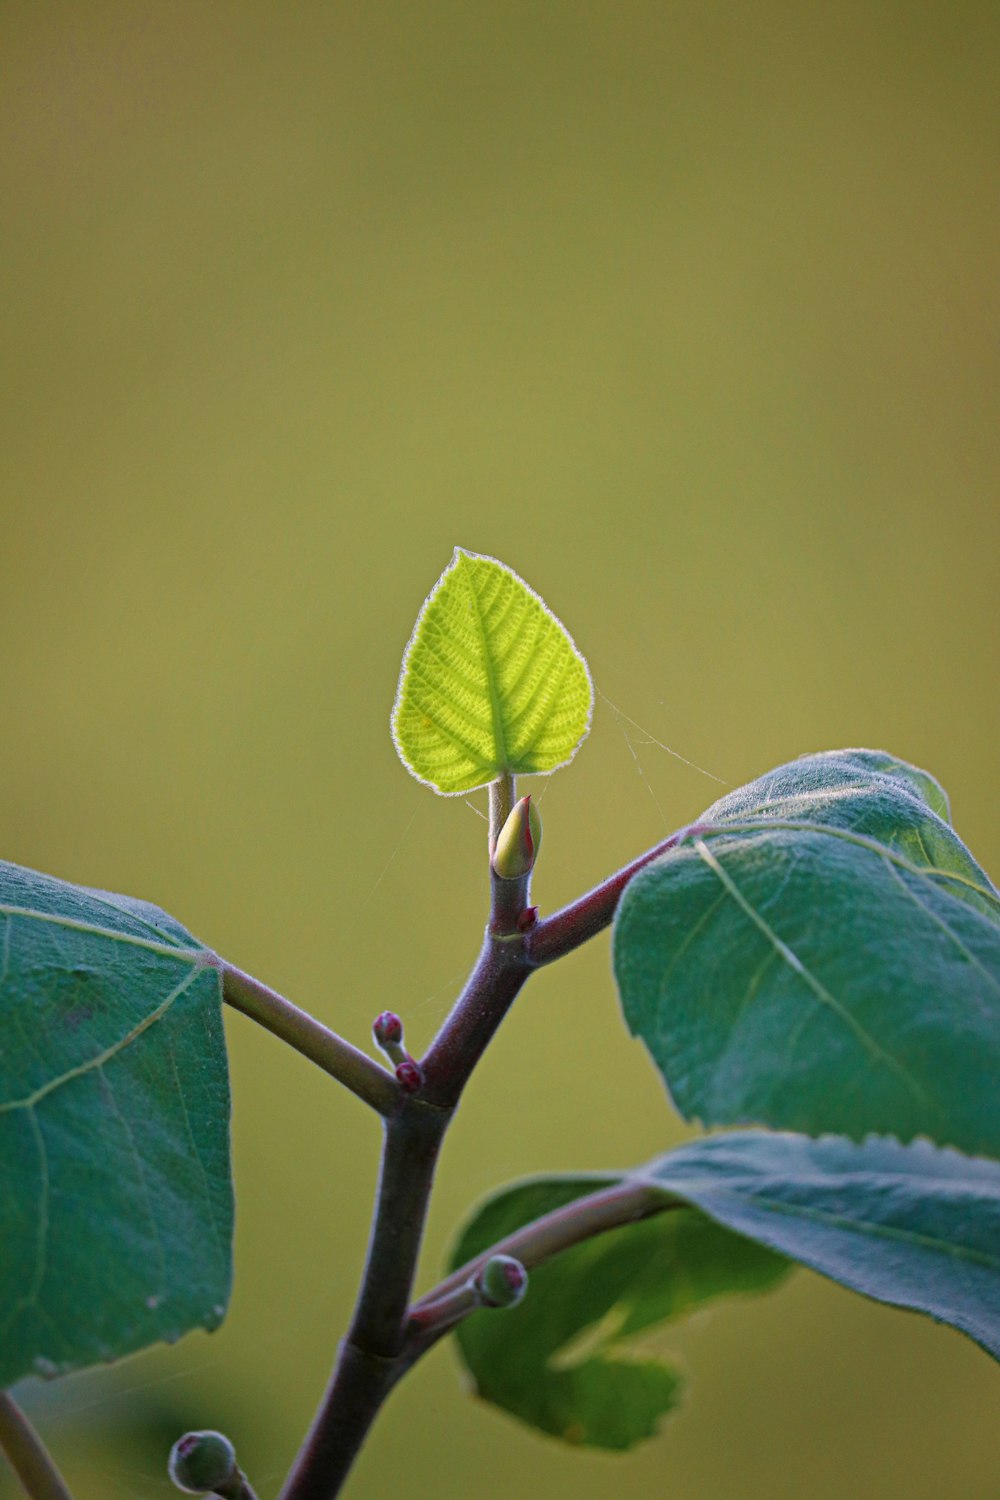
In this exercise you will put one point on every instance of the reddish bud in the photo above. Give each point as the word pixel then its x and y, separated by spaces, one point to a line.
pixel 409 1075
pixel 527 918
pixel 388 1033
pixel 388 1029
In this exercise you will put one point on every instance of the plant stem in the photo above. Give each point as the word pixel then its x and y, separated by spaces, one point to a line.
pixel 412 1143
pixel 371 1357
pixel 354 1069
pixel 590 914
pixel 383 1342
pixel 27 1455
pixel 441 1311
pixel 502 797
pixel 368 1362
pixel 491 990
pixel 240 1489
pixel 609 1208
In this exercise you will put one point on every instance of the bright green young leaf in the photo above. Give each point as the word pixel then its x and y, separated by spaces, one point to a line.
pixel 116 1206
pixel 491 682
pixel 915 1226
pixel 562 1360
pixel 822 953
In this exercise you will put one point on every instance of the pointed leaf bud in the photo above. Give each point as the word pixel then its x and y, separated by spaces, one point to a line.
pixel 501 1282
pixel 517 844
pixel 409 1075
pixel 202 1462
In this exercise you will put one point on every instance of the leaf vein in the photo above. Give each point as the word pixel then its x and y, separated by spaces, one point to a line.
pixel 945 928
pixel 806 975
pixel 194 956
pixel 109 1052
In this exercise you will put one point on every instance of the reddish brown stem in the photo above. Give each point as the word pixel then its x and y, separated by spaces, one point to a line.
pixel 366 1367
pixel 590 914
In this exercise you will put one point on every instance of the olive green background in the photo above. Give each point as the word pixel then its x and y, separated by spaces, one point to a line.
pixel 689 312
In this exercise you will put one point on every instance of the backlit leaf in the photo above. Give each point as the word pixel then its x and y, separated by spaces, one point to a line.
pixel 491 682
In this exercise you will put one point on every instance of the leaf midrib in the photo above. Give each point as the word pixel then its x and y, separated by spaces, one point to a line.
pixel 711 1189
pixel 499 738
pixel 791 958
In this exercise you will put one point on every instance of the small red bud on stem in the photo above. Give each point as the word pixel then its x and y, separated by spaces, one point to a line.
pixel 409 1075
pixel 387 1029
pixel 388 1033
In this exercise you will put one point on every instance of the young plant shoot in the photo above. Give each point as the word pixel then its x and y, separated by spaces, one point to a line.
pixel 813 965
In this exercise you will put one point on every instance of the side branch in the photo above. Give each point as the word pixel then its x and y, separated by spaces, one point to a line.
pixel 27 1454
pixel 533 1244
pixel 590 914
pixel 351 1067
pixel 610 1208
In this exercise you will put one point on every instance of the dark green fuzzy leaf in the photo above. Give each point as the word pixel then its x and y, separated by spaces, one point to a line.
pixel 915 1226
pixel 822 954
pixel 116 1207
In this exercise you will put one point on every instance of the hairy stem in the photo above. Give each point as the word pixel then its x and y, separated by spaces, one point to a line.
pixel 590 914
pixel 368 1360
pixel 533 1244
pixel 354 1069
pixel 491 990
pixel 27 1455
pixel 239 1489
pixel 441 1311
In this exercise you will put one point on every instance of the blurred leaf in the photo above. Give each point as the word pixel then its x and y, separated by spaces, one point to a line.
pixel 491 682
pixel 825 956
pixel 592 1390
pixel 916 1226
pixel 116 1208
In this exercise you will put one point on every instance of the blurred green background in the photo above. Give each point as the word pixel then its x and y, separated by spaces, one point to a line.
pixel 688 312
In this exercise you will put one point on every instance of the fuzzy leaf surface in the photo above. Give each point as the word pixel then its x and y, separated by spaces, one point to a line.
pixel 915 1226
pixel 116 1203
pixel 561 1361
pixel 822 953
pixel 491 682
